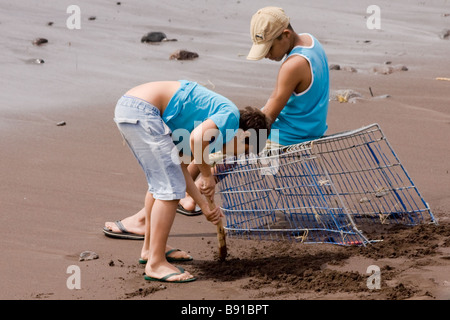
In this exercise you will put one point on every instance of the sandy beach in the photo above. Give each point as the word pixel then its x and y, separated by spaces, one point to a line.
pixel 60 182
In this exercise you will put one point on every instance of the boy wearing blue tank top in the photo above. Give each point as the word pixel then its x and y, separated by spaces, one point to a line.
pixel 298 106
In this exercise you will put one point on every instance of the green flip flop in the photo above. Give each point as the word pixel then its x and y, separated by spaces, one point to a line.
pixel 164 279
pixel 170 259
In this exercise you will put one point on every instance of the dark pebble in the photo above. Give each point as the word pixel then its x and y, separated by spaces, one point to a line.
pixel 183 55
pixel 335 67
pixel 39 41
pixel 154 37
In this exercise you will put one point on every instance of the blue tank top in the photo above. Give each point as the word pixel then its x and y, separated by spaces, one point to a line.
pixel 305 114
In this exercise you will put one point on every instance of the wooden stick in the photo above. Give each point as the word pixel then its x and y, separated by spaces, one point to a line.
pixel 220 235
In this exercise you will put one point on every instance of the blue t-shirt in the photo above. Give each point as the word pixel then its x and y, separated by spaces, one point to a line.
pixel 191 105
pixel 304 117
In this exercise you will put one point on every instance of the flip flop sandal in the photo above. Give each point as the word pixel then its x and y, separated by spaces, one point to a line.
pixel 182 210
pixel 164 279
pixel 170 259
pixel 123 234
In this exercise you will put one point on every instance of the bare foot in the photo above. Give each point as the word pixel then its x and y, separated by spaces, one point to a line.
pixel 188 203
pixel 171 254
pixel 134 224
pixel 161 271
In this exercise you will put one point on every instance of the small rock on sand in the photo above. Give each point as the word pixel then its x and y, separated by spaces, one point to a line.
pixel 388 69
pixel 39 41
pixel 34 61
pixel 155 37
pixel 335 67
pixel 383 70
pixel 345 68
pixel 88 255
pixel 183 55
pixel 444 34
pixel 349 69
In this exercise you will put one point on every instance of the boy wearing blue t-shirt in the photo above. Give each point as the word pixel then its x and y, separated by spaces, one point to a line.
pixel 298 106
pixel 160 120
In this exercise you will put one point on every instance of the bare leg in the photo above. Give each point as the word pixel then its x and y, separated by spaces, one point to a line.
pixel 149 201
pixel 145 252
pixel 136 223
pixel 188 202
pixel 160 214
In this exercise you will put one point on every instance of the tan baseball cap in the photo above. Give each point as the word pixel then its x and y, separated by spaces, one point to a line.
pixel 266 25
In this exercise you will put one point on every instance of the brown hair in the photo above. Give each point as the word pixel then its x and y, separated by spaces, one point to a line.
pixel 254 120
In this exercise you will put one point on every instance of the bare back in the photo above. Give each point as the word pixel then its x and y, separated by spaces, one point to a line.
pixel 157 93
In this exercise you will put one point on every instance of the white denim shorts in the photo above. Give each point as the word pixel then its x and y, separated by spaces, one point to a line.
pixel 149 138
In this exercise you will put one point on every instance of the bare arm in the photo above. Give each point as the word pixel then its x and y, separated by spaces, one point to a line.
pixel 214 215
pixel 199 141
pixel 294 75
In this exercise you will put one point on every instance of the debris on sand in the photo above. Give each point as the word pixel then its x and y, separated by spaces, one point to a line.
pixel 388 69
pixel 335 67
pixel 183 55
pixel 346 95
pixel 34 61
pixel 444 34
pixel 88 255
pixel 39 41
pixel 344 68
pixel 351 96
pixel 349 69
pixel 143 292
pixel 155 37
